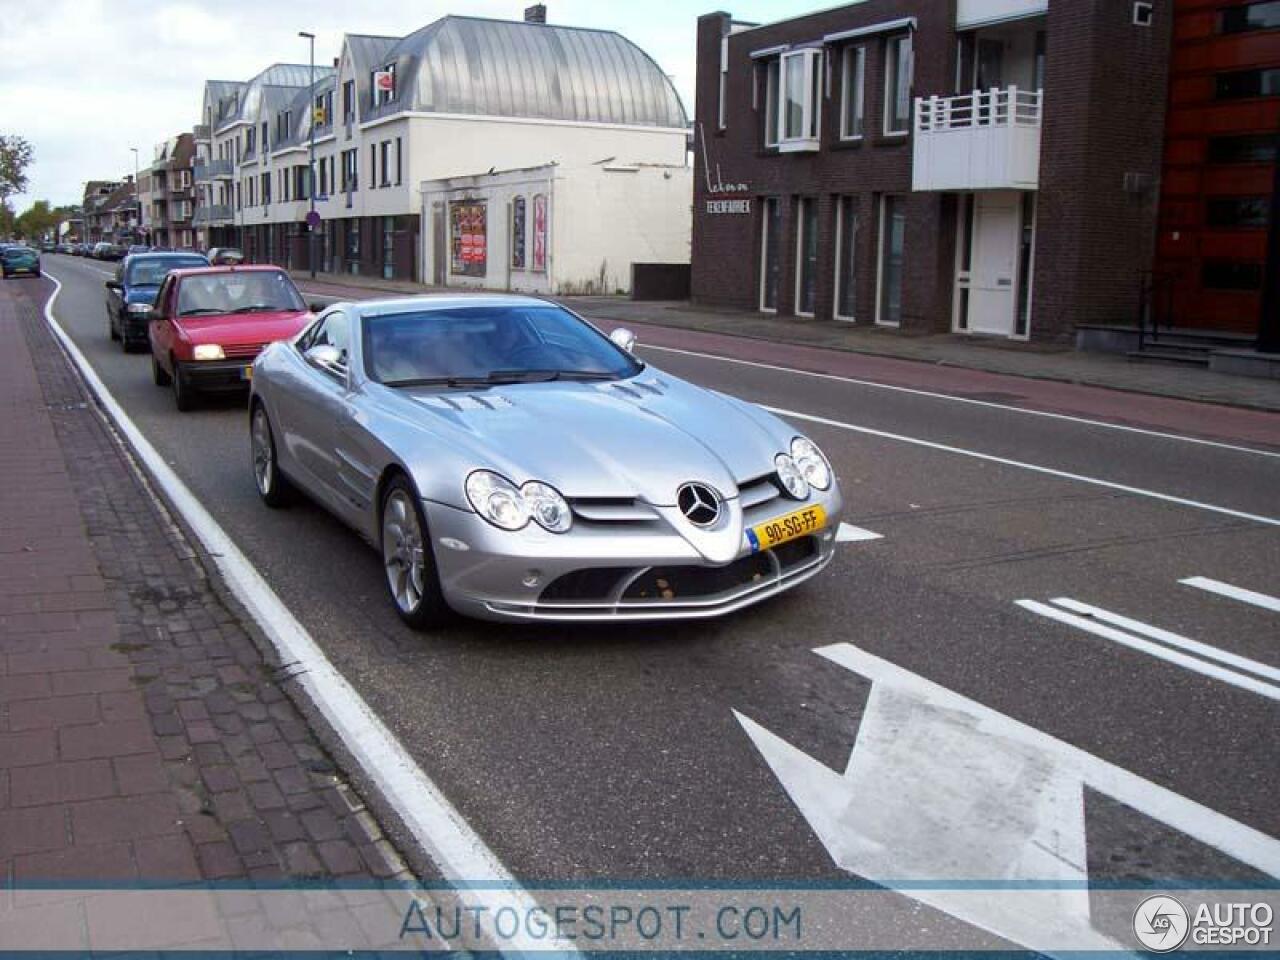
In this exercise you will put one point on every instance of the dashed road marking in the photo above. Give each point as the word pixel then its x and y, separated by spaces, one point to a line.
pixel 848 533
pixel 1251 597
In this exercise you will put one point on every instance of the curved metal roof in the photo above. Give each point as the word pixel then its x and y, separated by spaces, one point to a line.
pixel 287 75
pixel 472 65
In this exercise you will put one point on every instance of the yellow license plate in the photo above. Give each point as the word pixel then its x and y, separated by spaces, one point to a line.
pixel 248 373
pixel 790 526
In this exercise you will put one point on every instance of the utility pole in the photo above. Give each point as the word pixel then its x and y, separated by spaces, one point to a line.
pixel 311 163
pixel 137 194
pixel 1269 319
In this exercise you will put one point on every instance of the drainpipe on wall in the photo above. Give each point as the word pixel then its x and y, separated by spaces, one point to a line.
pixel 1269 320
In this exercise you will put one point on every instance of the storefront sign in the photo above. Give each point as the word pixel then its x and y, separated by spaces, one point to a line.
pixel 540 232
pixel 729 206
pixel 468 234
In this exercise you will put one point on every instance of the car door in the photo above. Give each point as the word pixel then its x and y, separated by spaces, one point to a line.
pixel 160 327
pixel 311 403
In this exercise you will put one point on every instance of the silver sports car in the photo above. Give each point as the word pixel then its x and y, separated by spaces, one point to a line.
pixel 511 462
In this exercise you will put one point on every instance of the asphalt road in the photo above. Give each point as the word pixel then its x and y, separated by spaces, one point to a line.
pixel 615 754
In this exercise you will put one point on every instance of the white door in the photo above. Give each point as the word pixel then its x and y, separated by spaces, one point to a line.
pixel 994 273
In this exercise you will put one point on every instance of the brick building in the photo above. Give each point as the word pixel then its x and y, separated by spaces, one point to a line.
pixel 983 166
pixel 1220 155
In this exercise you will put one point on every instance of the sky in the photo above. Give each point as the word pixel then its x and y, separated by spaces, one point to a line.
pixel 85 80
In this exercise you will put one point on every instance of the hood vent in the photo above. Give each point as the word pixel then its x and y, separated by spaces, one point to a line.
pixel 463 402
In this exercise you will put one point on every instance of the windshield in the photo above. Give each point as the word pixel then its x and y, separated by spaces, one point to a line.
pixel 502 344
pixel 257 291
pixel 151 271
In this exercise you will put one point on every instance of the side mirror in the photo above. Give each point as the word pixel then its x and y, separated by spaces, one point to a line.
pixel 112 284
pixel 325 357
pixel 624 338
pixel 316 307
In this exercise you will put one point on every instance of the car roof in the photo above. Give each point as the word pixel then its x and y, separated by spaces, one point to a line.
pixel 444 301
pixel 229 268
pixel 163 255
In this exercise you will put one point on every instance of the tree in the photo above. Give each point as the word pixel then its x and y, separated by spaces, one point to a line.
pixel 15 157
pixel 38 220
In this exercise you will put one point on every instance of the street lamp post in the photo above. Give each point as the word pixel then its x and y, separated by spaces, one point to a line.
pixel 137 193
pixel 311 162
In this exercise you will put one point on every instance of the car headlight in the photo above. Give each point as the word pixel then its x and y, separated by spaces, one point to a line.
pixel 139 308
pixel 208 351
pixel 791 477
pixel 509 507
pixel 813 465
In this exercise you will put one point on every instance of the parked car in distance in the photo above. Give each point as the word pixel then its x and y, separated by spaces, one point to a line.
pixel 137 248
pixel 19 261
pixel 104 250
pixel 511 462
pixel 48 247
pixel 132 291
pixel 220 256
pixel 209 325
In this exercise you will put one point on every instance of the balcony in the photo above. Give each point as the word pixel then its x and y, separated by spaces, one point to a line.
pixel 201 132
pixel 985 140
pixel 213 170
pixel 218 213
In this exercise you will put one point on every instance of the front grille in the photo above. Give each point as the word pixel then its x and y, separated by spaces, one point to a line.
pixel 684 582
pixel 612 510
pixel 757 492
pixel 242 351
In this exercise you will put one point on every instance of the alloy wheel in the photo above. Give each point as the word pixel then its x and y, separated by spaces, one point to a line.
pixel 402 554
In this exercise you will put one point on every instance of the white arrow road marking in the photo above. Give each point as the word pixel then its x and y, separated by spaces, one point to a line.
pixel 848 533
pixel 1235 593
pixel 942 790
pixel 1090 624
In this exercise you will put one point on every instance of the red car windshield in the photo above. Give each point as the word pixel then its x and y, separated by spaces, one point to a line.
pixel 250 291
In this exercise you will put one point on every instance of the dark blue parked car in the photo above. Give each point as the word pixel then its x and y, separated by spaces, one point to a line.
pixel 133 290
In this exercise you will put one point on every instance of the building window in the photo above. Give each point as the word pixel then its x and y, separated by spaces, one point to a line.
pixel 266 189
pixel 399 161
pixel 350 171
pixel 1246 148
pixel 1143 14
pixel 722 92
pixel 1231 275
pixel 517 233
pixel 893 230
pixel 807 257
pixel 853 71
pixel 847 259
pixel 385 163
pixel 540 233
pixel 1249 16
pixel 773 84
pixel 348 101
pixel 383 84
pixel 800 100
pixel 1237 211
pixel 770 254
pixel 1242 84
pixel 373 166
pixel 468 238
pixel 897 84
pixel 1026 250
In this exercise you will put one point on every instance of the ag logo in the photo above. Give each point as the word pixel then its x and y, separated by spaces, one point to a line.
pixel 1161 924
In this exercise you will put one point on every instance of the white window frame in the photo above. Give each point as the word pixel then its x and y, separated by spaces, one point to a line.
pixel 853 72
pixel 811 103
pixel 880 253
pixel 840 258
pixel 889 92
pixel 724 84
pixel 801 205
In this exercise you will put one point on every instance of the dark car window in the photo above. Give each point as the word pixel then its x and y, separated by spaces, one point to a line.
pixel 151 270
pixel 334 331
pixel 494 343
pixel 247 292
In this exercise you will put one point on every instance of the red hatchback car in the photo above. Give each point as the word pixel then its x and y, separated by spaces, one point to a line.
pixel 208 325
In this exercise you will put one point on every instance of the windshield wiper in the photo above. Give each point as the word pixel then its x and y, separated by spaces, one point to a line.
pixel 542 376
pixel 255 308
pixel 438 382
pixel 199 312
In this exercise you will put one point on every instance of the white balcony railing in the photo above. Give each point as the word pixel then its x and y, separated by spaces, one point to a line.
pixel 985 140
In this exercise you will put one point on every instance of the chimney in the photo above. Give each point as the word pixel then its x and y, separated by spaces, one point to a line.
pixel 536 14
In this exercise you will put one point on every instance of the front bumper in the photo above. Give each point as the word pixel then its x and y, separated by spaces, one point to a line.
pixel 602 573
pixel 217 376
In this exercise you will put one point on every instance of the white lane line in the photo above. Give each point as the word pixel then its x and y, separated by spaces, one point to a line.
pixel 1194 664
pixel 1172 639
pixel 969 400
pixel 462 857
pixel 1235 593
pixel 1035 468
pixel 848 533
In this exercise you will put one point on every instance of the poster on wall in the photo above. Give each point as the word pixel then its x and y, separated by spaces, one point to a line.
pixel 540 232
pixel 517 233
pixel 468 229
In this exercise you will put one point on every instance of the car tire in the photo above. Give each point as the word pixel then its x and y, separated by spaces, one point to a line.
pixel 184 398
pixel 409 563
pixel 273 486
pixel 158 374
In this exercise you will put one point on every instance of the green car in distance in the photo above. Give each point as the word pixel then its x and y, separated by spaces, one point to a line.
pixel 17 261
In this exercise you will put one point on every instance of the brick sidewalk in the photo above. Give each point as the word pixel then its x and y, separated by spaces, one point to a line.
pixel 142 735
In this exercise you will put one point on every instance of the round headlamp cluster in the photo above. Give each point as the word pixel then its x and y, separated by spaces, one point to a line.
pixel 803 468
pixel 509 507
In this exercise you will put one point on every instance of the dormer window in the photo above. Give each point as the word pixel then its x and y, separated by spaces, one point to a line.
pixel 383 85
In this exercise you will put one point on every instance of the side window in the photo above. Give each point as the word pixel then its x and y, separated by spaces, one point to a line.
pixel 120 272
pixel 162 298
